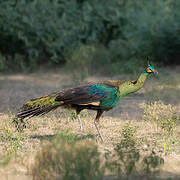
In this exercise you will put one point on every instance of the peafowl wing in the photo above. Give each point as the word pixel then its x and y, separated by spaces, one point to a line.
pixel 90 96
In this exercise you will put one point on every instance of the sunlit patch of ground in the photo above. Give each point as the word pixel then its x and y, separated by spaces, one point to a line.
pixel 16 89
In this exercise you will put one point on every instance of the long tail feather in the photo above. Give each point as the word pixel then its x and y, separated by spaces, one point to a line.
pixel 38 106
pixel 36 111
pixel 22 114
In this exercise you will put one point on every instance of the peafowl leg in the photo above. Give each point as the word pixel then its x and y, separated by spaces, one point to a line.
pixel 79 118
pixel 96 121
pixel 80 122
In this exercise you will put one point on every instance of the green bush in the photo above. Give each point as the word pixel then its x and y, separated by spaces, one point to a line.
pixel 123 160
pixel 127 159
pixel 64 159
pixel 38 32
pixel 87 60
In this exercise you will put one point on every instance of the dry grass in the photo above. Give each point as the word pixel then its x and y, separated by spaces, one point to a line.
pixel 22 147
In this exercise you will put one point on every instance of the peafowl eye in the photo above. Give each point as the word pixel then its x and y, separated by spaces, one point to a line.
pixel 150 69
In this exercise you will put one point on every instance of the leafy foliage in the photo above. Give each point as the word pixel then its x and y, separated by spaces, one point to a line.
pixel 152 162
pixel 125 155
pixel 35 32
pixel 66 159
pixel 126 158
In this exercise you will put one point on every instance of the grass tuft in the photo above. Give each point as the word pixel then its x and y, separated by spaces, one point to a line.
pixel 161 115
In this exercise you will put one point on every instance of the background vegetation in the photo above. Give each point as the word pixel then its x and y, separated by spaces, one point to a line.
pixel 51 32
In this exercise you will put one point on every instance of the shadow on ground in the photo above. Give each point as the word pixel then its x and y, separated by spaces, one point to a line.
pixel 50 137
pixel 164 176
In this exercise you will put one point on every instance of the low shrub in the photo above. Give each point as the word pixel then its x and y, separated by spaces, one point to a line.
pixel 64 160
pixel 125 156
pixel 161 115
pixel 127 160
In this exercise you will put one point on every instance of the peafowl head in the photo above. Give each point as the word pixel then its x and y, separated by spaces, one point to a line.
pixel 150 69
pixel 132 86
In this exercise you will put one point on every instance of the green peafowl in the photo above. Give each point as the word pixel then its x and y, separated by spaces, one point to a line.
pixel 99 96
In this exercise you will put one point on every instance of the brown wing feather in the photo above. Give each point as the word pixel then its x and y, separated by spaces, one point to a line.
pixel 79 95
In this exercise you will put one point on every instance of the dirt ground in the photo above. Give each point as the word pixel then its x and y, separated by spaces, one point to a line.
pixel 16 89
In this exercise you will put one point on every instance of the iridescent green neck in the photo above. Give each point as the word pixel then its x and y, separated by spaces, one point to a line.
pixel 132 86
